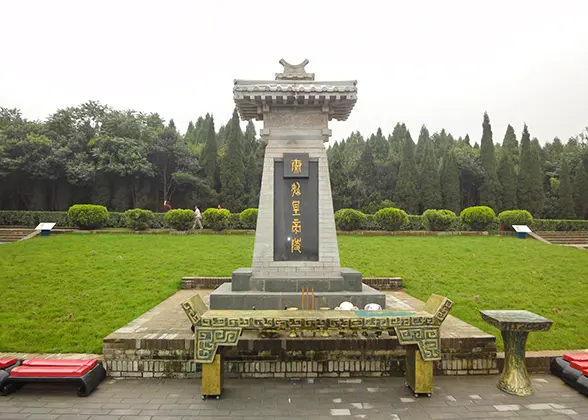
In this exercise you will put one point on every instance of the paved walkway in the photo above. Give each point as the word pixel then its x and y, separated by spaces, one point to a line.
pixel 472 397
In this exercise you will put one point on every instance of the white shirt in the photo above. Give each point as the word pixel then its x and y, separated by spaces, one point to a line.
pixel 197 212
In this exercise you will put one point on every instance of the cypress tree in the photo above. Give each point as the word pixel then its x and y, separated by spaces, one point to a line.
pixel 424 139
pixel 537 175
pixel 581 190
pixel 189 133
pixel 252 169
pixel 466 140
pixel 232 172
pixel 429 186
pixel 566 201
pixel 209 158
pixel 380 146
pixel 508 180
pixel 526 161
pixel 450 184
pixel 530 185
pixel 366 170
pixel 490 190
pixel 511 144
pixel 405 194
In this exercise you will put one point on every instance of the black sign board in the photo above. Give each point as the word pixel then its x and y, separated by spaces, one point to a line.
pixel 295 165
pixel 295 213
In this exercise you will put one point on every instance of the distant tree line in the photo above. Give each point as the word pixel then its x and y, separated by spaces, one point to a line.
pixel 442 172
pixel 126 159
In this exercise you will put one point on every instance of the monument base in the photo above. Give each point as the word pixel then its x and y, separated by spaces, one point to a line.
pixel 226 298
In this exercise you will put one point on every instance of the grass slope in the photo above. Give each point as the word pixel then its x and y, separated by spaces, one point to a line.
pixel 65 293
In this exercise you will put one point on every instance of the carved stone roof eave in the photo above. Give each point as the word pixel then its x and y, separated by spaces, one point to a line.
pixel 252 97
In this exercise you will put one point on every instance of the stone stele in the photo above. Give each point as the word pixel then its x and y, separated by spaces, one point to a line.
pixel 296 239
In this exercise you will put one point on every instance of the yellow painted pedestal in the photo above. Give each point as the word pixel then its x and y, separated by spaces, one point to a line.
pixel 212 377
pixel 419 373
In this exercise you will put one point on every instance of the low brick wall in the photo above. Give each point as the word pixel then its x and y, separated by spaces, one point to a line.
pixel 209 283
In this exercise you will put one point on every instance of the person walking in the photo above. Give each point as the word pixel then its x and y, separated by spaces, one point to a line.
pixel 198 220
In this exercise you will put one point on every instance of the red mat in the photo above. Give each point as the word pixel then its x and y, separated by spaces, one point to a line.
pixel 4 363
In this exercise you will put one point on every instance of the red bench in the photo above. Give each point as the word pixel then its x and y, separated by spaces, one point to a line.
pixel 573 370
pixel 6 365
pixel 86 373
pixel 578 357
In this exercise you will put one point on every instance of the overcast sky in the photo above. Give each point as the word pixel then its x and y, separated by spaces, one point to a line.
pixel 438 63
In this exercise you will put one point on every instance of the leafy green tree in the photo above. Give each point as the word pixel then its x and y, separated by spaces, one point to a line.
pixel 428 180
pixel 232 173
pixel 450 184
pixel 508 180
pixel 405 195
pixel 566 201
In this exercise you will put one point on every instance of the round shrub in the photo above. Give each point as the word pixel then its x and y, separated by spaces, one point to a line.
pixel 248 218
pixel 515 217
pixel 216 219
pixel 139 219
pixel 180 219
pixel 439 220
pixel 350 219
pixel 478 217
pixel 87 216
pixel 391 218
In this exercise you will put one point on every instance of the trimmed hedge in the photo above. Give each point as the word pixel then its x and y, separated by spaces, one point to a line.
pixel 248 218
pixel 478 217
pixel 138 219
pixel 415 222
pixel 350 219
pixel 87 216
pixel 391 218
pixel 439 220
pixel 216 219
pixel 508 218
pixel 180 219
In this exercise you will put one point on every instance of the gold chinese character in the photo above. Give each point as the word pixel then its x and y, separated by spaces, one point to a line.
pixel 296 189
pixel 296 226
pixel 296 166
pixel 296 245
pixel 295 207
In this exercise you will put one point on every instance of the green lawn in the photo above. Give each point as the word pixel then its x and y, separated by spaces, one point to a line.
pixel 65 293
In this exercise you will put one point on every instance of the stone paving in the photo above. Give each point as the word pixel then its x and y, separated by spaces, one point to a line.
pixel 352 398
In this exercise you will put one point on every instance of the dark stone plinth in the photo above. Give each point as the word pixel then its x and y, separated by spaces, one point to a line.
pixel 225 298
pixel 243 280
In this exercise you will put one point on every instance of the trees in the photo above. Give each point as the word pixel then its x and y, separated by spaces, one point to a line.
pixel 209 157
pixel 566 202
pixel 232 170
pixel 508 180
pixel 450 185
pixel 581 189
pixel 530 186
pixel 490 192
pixel 428 179
pixel 405 195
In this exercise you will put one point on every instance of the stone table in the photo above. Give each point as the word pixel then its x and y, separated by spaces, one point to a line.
pixel 515 326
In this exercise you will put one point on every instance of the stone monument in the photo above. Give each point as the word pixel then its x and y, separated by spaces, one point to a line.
pixel 296 240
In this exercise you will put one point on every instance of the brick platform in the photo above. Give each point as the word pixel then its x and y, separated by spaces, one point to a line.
pixel 160 344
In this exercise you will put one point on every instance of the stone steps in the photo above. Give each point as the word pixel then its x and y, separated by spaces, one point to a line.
pixel 13 235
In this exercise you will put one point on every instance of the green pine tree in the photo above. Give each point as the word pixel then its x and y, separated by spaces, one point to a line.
pixel 429 186
pixel 508 180
pixel 490 190
pixel 405 194
pixel 189 133
pixel 581 190
pixel 424 139
pixel 511 144
pixel 252 166
pixel 209 158
pixel 530 182
pixel 450 184
pixel 366 170
pixel 566 200
pixel 232 173
pixel 380 146
pixel 466 140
